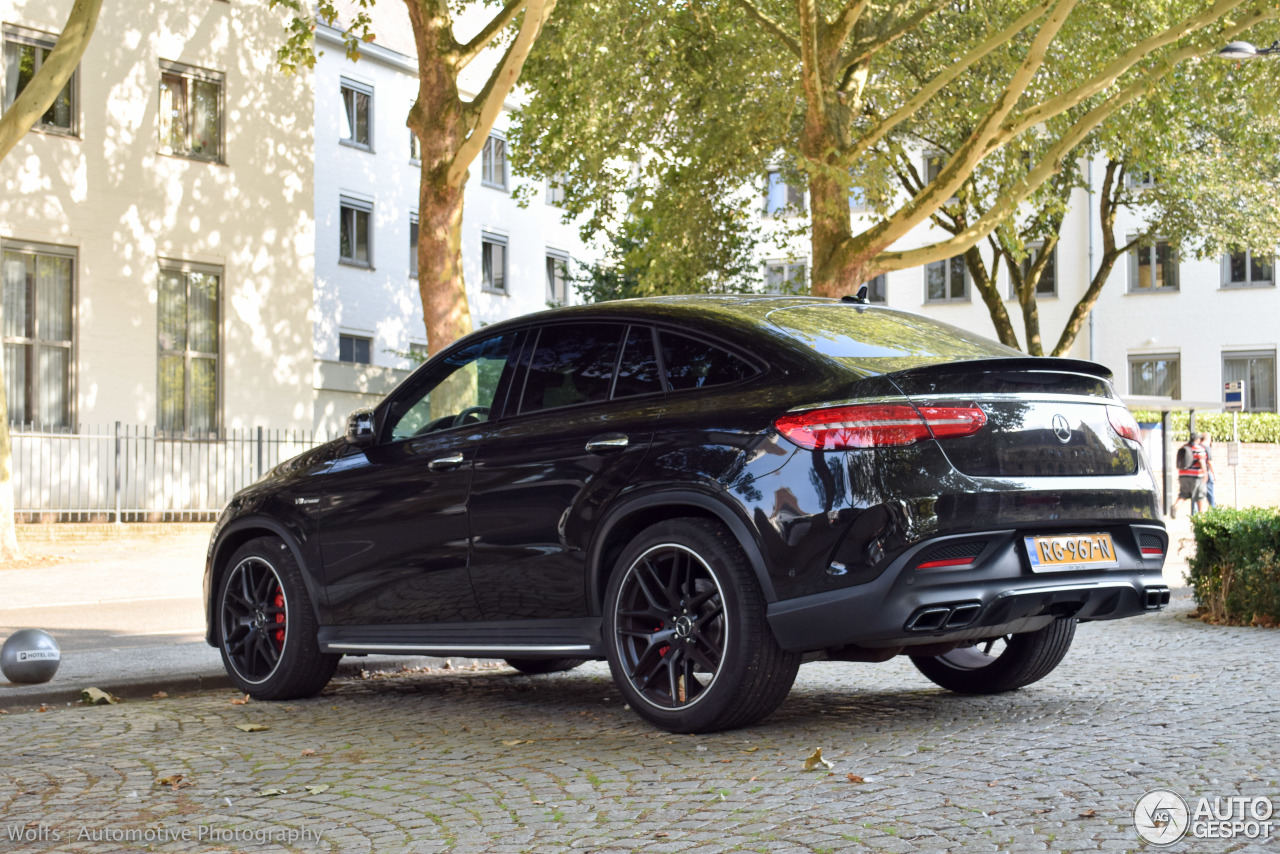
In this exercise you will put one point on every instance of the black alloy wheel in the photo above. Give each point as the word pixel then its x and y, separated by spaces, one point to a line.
pixel 266 626
pixel 1001 664
pixel 686 635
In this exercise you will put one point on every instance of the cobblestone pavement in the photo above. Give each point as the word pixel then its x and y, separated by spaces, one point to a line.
pixel 485 760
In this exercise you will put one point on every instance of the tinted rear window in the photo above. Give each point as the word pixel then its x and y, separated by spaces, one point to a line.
pixel 697 364
pixel 571 363
pixel 883 339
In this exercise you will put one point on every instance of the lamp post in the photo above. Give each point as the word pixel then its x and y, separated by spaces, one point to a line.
pixel 1245 50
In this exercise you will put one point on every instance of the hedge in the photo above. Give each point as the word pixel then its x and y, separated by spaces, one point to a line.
pixel 1254 426
pixel 1236 569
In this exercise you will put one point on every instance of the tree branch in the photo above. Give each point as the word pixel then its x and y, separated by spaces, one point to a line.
pixel 771 25
pixel 842 26
pixel 482 112
pixel 865 49
pixel 811 73
pixel 476 46
pixel 43 88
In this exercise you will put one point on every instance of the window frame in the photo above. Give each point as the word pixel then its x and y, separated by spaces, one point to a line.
pixel 192 74
pixel 414 233
pixel 356 87
pixel 947 283
pixel 488 286
pixel 488 166
pixel 186 268
pixel 555 194
pixel 355 206
pixel 796 202
pixel 1135 267
pixel 1249 282
pixel 786 275
pixel 878 283
pixel 40 41
pixel 1252 355
pixel 356 339
pixel 31 392
pixel 1135 359
pixel 1051 268
pixel 561 258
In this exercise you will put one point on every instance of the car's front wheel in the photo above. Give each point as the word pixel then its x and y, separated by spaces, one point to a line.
pixel 1000 664
pixel 685 631
pixel 266 625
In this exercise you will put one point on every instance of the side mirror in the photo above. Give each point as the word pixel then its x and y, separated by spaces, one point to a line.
pixel 360 428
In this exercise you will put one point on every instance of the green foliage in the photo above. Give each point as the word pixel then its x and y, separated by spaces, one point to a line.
pixel 1254 426
pixel 299 47
pixel 1236 571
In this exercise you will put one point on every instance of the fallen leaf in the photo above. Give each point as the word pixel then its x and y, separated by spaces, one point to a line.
pixel 854 778
pixel 159 695
pixel 1042 811
pixel 266 793
pixel 815 760
pixel 97 697
pixel 175 781
pixel 4 711
pixel 751 750
pixel 513 742
pixel 993 783
pixel 43 708
pixel 317 789
pixel 252 727
pixel 241 701
pixel 1088 814
pixel 661 834
pixel 308 752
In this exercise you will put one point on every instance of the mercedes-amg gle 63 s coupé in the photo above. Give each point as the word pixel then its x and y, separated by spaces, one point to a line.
pixel 705 491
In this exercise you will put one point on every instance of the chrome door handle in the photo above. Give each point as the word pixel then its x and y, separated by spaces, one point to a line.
pixel 608 443
pixel 444 463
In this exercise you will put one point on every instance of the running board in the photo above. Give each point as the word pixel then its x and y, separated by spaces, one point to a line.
pixel 517 639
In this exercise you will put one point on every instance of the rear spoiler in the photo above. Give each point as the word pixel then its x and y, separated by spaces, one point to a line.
pixel 1052 364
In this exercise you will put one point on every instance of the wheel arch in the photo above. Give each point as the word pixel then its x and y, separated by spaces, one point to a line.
pixel 231 538
pixel 629 518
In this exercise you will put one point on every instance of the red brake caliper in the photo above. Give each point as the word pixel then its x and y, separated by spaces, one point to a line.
pixel 279 603
pixel 662 650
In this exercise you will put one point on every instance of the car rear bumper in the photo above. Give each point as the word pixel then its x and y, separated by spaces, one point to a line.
pixel 997 594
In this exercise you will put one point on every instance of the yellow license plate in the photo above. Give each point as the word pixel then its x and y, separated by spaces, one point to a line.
pixel 1072 551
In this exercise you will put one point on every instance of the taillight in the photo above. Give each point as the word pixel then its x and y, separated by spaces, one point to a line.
pixel 878 425
pixel 1122 422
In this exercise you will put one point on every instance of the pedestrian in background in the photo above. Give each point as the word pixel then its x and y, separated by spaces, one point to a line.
pixel 1206 441
pixel 1191 476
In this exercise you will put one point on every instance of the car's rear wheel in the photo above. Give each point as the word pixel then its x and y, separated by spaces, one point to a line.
pixel 534 666
pixel 1001 664
pixel 267 627
pixel 685 631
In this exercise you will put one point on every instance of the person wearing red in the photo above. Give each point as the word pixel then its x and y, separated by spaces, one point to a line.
pixel 1193 470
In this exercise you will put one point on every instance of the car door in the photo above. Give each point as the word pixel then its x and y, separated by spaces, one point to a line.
pixel 580 419
pixel 393 521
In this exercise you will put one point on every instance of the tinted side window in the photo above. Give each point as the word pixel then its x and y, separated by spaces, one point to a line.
pixel 571 363
pixel 696 364
pixel 457 390
pixel 638 368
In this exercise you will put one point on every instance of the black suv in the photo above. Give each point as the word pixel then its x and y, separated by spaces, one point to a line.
pixel 706 491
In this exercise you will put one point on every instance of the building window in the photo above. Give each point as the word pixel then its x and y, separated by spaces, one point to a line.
pixel 1258 370
pixel 24 52
pixel 1246 270
pixel 557 278
pixel 782 198
pixel 878 290
pixel 493 263
pixel 357 114
pixel 555 190
pixel 1158 375
pixel 355 348
pixel 934 163
pixel 355 240
pixel 1153 268
pixel 783 278
pixel 190 112
pixel 418 352
pixel 493 163
pixel 187 389
pixel 38 287
pixel 1140 180
pixel 415 147
pixel 946 281
pixel 413 245
pixel 1048 284
pixel 858 199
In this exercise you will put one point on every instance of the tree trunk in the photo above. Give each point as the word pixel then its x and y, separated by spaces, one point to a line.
pixel 440 282
pixel 831 228
pixel 989 290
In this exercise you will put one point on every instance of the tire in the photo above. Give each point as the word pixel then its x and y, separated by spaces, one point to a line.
pixel 985 668
pixel 534 666
pixel 266 626
pixel 685 631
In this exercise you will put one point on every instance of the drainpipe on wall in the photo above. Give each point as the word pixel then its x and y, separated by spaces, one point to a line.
pixel 1089 270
